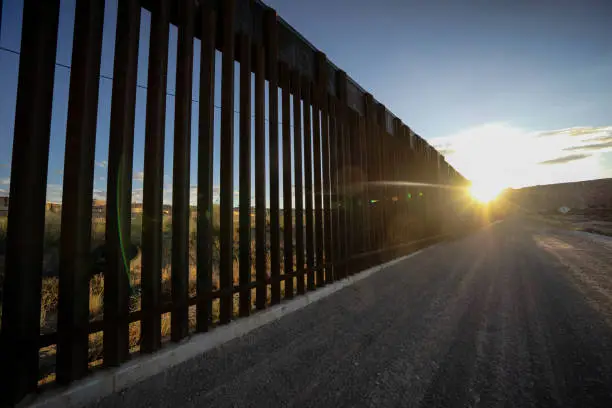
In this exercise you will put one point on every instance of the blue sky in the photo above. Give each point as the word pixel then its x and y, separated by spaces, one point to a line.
pixel 446 65
pixel 470 76
pixel 9 62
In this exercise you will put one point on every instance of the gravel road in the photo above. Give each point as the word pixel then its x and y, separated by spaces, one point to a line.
pixel 516 315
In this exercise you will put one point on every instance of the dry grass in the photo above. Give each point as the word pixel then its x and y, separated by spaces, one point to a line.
pixel 50 291
pixel 48 305
pixel 50 285
pixel 96 297
pixel 95 346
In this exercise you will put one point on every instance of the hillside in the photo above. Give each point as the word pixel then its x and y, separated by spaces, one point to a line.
pixel 584 206
pixel 593 194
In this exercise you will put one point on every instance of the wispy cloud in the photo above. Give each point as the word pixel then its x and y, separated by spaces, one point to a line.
pixel 445 147
pixel 139 176
pixel 515 157
pixel 445 151
pixel 605 138
pixel 566 159
pixel 102 163
pixel 5 181
pixel 575 131
pixel 54 194
pixel 589 147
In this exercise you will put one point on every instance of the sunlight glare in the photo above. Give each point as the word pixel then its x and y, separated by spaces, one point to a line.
pixel 484 192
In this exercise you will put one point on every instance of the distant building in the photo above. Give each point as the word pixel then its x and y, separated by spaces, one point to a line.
pixel 136 208
pixel 53 207
pixel 98 210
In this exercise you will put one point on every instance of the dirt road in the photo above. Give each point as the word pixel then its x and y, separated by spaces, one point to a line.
pixel 516 315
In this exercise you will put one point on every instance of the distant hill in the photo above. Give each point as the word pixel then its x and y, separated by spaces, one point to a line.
pixel 578 195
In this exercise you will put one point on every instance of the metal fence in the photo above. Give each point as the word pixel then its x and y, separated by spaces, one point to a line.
pixel 345 163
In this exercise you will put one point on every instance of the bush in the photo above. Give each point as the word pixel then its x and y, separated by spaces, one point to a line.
pixel 3 225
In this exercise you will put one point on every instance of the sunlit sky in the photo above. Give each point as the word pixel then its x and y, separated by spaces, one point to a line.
pixel 514 93
pixel 496 85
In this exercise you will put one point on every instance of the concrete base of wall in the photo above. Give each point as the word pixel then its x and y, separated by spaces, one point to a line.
pixel 113 380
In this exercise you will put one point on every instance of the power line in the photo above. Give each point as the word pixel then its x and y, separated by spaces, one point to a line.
pixel 110 78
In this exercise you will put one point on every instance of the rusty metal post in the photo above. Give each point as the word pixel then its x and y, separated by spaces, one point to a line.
pixel 77 194
pixel 119 184
pixel 208 30
pixel 181 211
pixel 26 220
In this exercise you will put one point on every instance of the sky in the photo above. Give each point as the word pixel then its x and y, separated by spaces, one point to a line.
pixel 513 93
pixel 9 64
pixel 482 80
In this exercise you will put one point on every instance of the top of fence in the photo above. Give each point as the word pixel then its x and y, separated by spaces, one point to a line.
pixel 293 49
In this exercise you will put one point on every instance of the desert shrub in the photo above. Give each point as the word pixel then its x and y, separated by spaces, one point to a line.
pixel 3 225
pixel 53 223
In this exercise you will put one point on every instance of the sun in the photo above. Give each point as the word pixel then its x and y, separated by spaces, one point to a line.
pixel 485 193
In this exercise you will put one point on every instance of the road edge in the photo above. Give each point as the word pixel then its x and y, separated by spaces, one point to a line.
pixel 140 368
